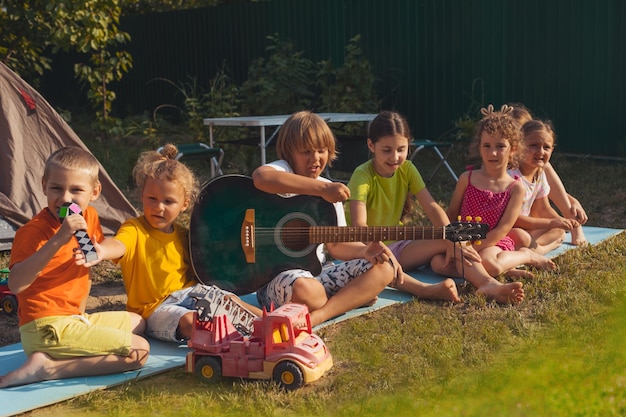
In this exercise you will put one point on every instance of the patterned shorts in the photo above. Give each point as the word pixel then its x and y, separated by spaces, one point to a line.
pixel 333 277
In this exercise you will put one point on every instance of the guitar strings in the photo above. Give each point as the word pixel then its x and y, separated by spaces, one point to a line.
pixel 366 231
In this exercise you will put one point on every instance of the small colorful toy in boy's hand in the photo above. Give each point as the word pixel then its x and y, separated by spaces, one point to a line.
pixel 86 245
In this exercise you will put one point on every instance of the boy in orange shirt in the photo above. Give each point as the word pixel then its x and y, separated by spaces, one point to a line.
pixel 58 337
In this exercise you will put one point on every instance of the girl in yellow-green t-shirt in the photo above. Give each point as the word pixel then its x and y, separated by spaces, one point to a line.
pixel 379 189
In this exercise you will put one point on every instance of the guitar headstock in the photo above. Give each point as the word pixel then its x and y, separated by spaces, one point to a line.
pixel 467 231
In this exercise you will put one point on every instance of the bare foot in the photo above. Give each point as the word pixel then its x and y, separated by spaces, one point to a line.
pixel 543 249
pixel 444 290
pixel 538 260
pixel 510 293
pixel 33 370
pixel 578 237
pixel 519 273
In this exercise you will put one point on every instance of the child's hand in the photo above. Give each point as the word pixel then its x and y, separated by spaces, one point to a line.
pixel 461 251
pixel 335 192
pixel 72 224
pixel 563 223
pixel 378 253
pixel 578 212
pixel 79 256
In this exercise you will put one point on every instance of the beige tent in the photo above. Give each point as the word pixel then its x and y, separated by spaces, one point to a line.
pixel 30 130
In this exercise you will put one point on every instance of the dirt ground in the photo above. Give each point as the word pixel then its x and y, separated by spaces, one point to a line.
pixel 107 293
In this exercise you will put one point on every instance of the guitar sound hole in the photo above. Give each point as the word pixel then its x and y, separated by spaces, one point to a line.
pixel 294 234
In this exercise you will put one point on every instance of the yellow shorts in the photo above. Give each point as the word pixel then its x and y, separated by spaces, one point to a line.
pixel 64 337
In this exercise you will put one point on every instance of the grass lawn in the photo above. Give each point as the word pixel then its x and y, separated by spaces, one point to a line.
pixel 560 353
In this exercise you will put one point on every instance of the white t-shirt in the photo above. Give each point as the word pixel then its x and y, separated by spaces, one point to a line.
pixel 533 190
pixel 283 166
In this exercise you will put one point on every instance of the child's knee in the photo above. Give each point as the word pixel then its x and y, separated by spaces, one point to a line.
pixel 492 269
pixel 521 238
pixel 310 292
pixel 139 352
pixel 437 264
pixel 137 323
pixel 385 273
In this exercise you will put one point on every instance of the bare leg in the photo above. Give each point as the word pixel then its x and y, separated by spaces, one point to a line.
pixel 505 293
pixel 519 273
pixel 356 293
pixel 419 253
pixel 252 308
pixel 540 241
pixel 445 290
pixel 578 236
pixel 547 239
pixel 185 326
pixel 497 262
pixel 41 367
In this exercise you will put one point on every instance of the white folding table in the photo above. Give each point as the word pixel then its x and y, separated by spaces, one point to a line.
pixel 278 120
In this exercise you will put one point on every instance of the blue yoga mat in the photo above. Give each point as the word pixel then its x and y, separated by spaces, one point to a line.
pixel 165 356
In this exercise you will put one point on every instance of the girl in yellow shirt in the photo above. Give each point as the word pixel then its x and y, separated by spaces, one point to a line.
pixel 153 249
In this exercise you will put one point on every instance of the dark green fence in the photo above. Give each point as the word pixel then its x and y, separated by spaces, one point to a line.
pixel 435 59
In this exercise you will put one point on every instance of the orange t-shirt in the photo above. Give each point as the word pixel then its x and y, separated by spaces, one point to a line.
pixel 62 285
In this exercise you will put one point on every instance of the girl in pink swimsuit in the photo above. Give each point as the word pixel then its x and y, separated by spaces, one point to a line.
pixel 493 195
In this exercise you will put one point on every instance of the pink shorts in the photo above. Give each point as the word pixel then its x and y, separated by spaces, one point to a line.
pixel 506 243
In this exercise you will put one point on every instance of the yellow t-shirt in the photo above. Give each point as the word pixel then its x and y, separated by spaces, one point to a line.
pixel 155 264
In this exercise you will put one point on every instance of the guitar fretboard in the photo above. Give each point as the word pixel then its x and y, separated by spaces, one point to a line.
pixel 335 234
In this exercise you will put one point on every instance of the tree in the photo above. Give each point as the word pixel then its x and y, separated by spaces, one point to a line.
pixel 90 27
pixel 24 34
pixel 280 83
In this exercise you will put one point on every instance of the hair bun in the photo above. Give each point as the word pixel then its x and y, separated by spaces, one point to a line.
pixel 169 151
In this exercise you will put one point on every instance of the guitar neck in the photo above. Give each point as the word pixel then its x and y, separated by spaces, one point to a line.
pixel 335 234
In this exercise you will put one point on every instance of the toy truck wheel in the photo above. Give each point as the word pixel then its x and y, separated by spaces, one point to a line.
pixel 288 375
pixel 9 305
pixel 208 369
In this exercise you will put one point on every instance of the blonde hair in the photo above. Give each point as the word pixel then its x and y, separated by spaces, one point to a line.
pixel 75 159
pixel 164 166
pixel 521 113
pixel 502 122
pixel 305 130
pixel 539 125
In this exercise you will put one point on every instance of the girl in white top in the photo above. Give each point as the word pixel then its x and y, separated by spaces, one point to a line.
pixel 539 227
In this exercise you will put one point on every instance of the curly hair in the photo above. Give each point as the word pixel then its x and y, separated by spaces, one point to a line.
pixel 502 122
pixel 162 165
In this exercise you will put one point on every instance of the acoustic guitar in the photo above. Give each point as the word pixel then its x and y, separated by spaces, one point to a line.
pixel 241 237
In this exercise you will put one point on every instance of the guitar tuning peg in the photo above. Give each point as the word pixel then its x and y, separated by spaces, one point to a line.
pixel 479 219
pixel 458 218
pixel 478 242
pixel 468 218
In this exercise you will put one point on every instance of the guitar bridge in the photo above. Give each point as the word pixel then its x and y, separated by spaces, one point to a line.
pixel 247 237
